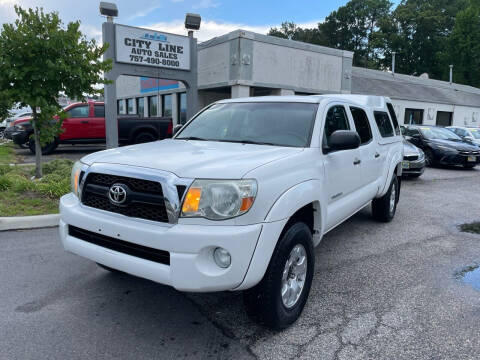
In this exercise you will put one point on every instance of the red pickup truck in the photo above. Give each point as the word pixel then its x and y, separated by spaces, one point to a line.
pixel 85 124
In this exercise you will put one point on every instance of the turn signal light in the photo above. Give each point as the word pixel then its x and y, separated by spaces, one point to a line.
pixel 192 200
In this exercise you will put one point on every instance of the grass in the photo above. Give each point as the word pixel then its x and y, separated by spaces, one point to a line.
pixel 473 228
pixel 20 195
pixel 7 155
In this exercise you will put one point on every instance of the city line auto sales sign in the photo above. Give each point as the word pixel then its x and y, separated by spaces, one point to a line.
pixel 151 48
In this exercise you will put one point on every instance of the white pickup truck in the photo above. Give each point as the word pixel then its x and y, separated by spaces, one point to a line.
pixel 239 198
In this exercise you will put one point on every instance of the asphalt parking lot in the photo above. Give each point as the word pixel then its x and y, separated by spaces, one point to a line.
pixel 380 291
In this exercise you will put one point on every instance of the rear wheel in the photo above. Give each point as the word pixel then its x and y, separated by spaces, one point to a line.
pixel 47 149
pixel 384 208
pixel 278 300
pixel 144 137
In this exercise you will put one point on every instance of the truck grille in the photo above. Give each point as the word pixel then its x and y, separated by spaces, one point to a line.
pixel 144 197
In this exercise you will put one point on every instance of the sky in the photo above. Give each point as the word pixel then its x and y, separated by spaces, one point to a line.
pixel 218 16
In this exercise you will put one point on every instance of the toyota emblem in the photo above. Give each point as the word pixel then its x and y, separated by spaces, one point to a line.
pixel 117 194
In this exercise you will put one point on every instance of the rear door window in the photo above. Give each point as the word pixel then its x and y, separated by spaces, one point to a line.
pixel 384 124
pixel 99 111
pixel 362 125
pixel 391 111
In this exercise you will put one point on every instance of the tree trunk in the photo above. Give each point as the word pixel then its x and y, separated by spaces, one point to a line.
pixel 38 147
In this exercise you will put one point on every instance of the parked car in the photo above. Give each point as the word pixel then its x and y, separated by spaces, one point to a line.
pixel 442 146
pixel 239 198
pixel 9 122
pixel 85 124
pixel 469 134
pixel 413 163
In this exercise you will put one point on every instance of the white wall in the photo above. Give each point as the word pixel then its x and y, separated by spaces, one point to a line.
pixel 462 115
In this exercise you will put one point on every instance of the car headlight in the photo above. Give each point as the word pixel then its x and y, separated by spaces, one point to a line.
pixel 19 127
pixel 75 178
pixel 219 199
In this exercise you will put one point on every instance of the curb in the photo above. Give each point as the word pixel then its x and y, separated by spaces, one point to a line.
pixel 28 222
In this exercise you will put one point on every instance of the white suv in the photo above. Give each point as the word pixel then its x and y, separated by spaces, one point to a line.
pixel 239 198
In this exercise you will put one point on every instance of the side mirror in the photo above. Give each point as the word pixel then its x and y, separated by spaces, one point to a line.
pixel 343 140
pixel 176 128
pixel 469 138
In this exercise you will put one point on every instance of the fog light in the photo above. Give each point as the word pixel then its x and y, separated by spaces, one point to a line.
pixel 222 257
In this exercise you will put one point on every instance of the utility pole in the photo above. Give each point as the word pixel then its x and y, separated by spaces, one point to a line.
pixel 451 74
pixel 393 62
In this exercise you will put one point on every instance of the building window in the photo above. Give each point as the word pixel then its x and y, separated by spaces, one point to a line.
pixel 182 108
pixel 444 118
pixel 130 106
pixel 167 105
pixel 121 107
pixel 141 106
pixel 153 105
pixel 362 125
pixel 383 123
pixel 413 116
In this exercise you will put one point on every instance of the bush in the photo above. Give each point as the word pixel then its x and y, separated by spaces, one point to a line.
pixel 54 185
pixel 59 166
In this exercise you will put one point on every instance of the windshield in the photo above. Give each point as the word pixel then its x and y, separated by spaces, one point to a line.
pixel 274 123
pixel 439 133
pixel 475 133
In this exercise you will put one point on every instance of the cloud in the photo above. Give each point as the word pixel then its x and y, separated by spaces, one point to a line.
pixel 205 4
pixel 142 13
pixel 210 28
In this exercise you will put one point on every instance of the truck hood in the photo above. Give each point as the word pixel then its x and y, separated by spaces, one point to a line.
pixel 194 159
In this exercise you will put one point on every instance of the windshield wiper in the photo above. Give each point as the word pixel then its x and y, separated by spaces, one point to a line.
pixel 192 138
pixel 249 142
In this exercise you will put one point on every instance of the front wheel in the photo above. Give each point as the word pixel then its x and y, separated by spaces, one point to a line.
pixel 47 149
pixel 384 208
pixel 278 300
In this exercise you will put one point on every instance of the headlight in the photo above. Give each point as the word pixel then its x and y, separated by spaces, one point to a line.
pixel 219 199
pixel 421 154
pixel 19 127
pixel 75 179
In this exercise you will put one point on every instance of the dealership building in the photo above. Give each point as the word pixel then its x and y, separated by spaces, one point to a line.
pixel 243 63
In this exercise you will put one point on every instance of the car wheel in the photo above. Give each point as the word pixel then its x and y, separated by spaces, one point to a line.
pixel 144 137
pixel 46 150
pixel 278 300
pixel 429 158
pixel 109 269
pixel 384 208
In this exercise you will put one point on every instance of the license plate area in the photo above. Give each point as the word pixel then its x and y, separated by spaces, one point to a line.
pixel 472 159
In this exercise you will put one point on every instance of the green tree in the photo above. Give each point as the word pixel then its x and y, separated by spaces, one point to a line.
pixel 5 105
pixel 41 58
pixel 417 30
pixel 463 46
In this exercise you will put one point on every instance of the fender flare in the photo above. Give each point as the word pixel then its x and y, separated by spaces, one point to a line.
pixel 284 207
pixel 395 167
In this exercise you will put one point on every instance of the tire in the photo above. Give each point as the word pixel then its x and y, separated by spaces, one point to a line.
pixel 384 208
pixel 469 166
pixel 264 302
pixel 46 150
pixel 429 157
pixel 115 271
pixel 144 137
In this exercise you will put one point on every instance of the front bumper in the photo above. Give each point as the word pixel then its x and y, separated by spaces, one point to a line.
pixel 8 132
pixel 19 137
pixel 416 167
pixel 457 159
pixel 190 247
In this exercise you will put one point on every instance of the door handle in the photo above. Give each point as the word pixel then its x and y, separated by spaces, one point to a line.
pixel 377 155
pixel 84 122
pixel 357 161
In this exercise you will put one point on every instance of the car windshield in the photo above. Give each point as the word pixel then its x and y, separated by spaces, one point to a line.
pixel 475 133
pixel 439 133
pixel 265 123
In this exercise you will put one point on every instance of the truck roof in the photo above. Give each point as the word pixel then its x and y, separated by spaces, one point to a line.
pixel 364 100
